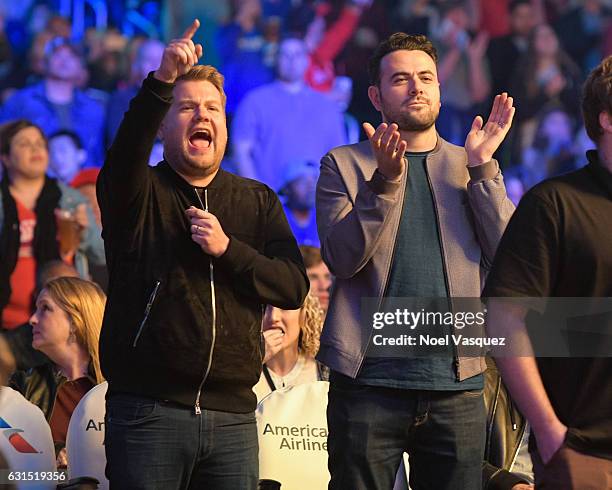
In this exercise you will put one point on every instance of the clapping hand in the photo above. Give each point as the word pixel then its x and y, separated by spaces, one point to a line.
pixel 483 141
pixel 388 148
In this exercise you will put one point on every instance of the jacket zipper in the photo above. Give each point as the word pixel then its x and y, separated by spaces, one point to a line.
pixel 147 311
pixel 386 286
pixel 435 202
pixel 198 410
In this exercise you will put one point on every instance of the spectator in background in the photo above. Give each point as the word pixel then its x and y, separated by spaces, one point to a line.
pixel 106 67
pixel 552 151
pixel 462 72
pixel 247 58
pixel 342 93
pixel 298 188
pixel 580 27
pixel 29 221
pixel 318 274
pixel 20 338
pixel 85 183
pixel 66 327
pixel 504 52
pixel 324 43
pixel 56 103
pixel 56 26
pixel 545 75
pixel 66 155
pixel 148 57
pixel 291 340
pixel 284 121
pixel 373 27
pixel 416 17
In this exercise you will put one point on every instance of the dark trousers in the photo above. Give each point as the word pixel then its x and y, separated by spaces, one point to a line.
pixel 153 445
pixel 569 469
pixel 370 428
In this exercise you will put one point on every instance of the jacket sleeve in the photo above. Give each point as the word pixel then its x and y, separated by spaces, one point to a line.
pixel 490 206
pixel 124 178
pixel 349 230
pixel 275 277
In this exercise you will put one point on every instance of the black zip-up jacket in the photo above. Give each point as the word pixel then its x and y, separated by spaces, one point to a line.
pixel 170 330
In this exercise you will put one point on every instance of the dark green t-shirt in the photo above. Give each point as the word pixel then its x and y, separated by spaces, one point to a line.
pixel 417 271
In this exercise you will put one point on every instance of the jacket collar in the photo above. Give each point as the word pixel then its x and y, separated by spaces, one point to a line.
pixel 601 174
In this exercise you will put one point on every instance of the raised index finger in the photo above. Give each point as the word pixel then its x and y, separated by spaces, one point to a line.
pixel 191 30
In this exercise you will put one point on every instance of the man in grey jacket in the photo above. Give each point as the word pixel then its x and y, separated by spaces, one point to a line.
pixel 407 215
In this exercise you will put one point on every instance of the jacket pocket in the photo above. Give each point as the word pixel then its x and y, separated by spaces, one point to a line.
pixel 146 312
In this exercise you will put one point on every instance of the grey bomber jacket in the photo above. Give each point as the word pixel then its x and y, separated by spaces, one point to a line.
pixel 358 215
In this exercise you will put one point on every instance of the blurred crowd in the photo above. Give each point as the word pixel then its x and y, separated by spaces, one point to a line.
pixel 296 82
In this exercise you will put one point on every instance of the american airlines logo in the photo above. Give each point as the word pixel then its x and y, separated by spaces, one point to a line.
pixel 16 439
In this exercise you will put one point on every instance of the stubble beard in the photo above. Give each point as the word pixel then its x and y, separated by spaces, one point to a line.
pixel 408 122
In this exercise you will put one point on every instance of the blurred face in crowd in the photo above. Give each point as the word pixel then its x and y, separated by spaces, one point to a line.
pixel 545 41
pixel 249 9
pixel 292 60
pixel 194 131
pixel 522 20
pixel 50 325
pixel 149 57
pixel 301 192
pixel 342 92
pixel 28 157
pixel 64 64
pixel 409 91
pixel 557 127
pixel 287 321
pixel 65 158
pixel 320 282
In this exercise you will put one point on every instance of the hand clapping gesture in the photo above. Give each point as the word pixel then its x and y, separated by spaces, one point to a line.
pixel 180 56
pixel 388 148
pixel 483 141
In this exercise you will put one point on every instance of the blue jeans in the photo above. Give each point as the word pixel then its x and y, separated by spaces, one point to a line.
pixel 151 444
pixel 371 427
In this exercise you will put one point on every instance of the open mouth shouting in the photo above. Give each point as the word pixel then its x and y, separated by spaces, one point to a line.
pixel 200 139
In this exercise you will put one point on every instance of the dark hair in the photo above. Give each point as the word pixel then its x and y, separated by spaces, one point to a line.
pixel 311 256
pixel 10 129
pixel 396 42
pixel 70 134
pixel 597 97
pixel 514 4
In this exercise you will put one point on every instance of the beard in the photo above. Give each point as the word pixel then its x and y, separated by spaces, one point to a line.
pixel 411 122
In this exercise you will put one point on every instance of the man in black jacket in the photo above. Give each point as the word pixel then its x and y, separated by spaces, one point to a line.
pixel 193 253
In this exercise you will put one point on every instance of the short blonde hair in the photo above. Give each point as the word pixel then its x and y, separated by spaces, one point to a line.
pixel 206 73
pixel 83 302
pixel 311 324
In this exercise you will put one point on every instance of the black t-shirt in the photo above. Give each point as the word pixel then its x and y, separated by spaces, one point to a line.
pixel 559 244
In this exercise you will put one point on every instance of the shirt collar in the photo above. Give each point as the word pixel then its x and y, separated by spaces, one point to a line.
pixel 601 174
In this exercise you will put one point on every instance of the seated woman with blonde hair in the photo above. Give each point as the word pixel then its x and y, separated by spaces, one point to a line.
pixel 66 327
pixel 291 342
